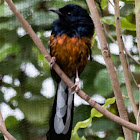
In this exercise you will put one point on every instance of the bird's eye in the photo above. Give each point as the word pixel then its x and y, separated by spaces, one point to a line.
pixel 69 13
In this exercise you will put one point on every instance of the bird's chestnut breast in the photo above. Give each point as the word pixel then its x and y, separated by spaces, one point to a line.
pixel 70 52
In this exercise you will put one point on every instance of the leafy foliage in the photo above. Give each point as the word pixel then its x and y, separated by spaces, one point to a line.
pixel 120 138
pixel 87 122
pixel 23 70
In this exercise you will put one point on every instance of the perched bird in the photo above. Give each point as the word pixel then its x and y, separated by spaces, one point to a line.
pixel 70 44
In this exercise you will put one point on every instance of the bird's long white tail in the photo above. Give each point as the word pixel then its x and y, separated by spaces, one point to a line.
pixel 63 108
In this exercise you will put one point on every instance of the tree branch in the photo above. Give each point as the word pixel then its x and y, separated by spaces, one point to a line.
pixel 131 71
pixel 123 59
pixel 131 56
pixel 137 16
pixel 109 65
pixel 137 13
pixel 4 131
pixel 113 40
pixel 64 77
pixel 138 116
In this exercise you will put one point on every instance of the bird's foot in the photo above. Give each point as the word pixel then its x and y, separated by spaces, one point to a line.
pixel 76 87
pixel 52 62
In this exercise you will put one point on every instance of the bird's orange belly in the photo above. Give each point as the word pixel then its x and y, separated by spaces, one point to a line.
pixel 70 53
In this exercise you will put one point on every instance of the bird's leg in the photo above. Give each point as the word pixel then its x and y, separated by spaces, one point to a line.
pixel 76 85
pixel 52 62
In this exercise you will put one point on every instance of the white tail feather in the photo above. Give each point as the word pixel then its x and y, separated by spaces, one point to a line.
pixel 58 125
pixel 68 119
pixel 62 108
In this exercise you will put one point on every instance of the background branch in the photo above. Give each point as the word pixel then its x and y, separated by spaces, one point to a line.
pixel 131 72
pixel 137 12
pixel 109 65
pixel 123 59
pixel 3 124
pixel 138 116
pixel 65 78
pixel 131 56
pixel 4 131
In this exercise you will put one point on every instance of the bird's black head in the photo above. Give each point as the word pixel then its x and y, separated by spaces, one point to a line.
pixel 74 21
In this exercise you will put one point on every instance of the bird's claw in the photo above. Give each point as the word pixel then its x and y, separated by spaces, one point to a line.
pixel 52 62
pixel 76 87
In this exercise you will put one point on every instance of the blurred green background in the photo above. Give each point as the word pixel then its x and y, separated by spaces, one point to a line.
pixel 26 87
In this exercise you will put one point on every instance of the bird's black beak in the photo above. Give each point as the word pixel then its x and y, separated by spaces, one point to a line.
pixel 55 11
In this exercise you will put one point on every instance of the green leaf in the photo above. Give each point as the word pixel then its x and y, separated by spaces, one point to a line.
pixel 95 113
pixel 110 20
pixel 120 138
pixel 109 101
pixel 104 4
pixel 82 124
pixel 125 24
pixel 11 122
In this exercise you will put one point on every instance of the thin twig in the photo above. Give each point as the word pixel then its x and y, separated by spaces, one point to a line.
pixel 131 56
pixel 82 94
pixel 130 70
pixel 113 40
pixel 125 97
pixel 111 3
pixel 138 116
